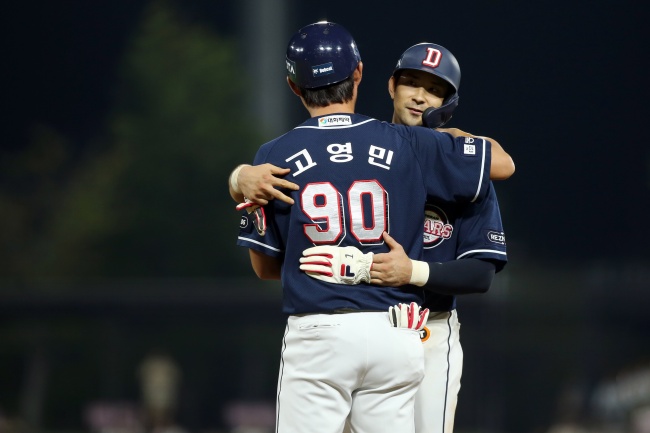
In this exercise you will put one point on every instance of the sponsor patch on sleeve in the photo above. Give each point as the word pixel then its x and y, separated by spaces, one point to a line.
pixel 496 237
pixel 245 224
pixel 469 147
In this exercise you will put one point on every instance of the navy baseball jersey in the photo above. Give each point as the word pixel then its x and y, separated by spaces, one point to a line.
pixel 456 231
pixel 359 177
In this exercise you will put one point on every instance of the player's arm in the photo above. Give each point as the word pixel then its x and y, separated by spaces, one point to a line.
pixel 396 269
pixel 265 267
pixel 502 166
pixel 260 183
pixel 456 277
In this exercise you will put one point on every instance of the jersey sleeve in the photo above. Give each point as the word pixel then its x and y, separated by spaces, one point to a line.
pixel 454 169
pixel 271 243
pixel 480 231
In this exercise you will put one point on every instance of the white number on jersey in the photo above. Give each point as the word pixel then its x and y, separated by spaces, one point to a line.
pixel 367 202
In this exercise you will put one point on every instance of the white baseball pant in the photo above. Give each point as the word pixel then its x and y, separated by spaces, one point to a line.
pixel 353 364
pixel 436 400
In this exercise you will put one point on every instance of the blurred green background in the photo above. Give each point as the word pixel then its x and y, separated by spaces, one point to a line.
pixel 124 119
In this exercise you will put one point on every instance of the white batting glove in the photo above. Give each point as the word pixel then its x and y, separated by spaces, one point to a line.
pixel 408 316
pixel 340 265
pixel 259 217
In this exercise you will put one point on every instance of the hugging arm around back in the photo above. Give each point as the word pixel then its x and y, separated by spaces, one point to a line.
pixel 455 277
pixel 460 277
pixel 260 184
pixel 502 165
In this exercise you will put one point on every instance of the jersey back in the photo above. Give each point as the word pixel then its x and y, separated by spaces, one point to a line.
pixel 359 177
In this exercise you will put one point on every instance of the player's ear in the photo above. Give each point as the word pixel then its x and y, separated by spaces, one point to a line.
pixel 358 73
pixel 391 87
pixel 293 87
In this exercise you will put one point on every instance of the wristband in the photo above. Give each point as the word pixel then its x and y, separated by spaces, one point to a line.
pixel 420 273
pixel 233 178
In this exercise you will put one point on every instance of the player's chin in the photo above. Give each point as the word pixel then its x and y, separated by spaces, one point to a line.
pixel 410 119
pixel 415 118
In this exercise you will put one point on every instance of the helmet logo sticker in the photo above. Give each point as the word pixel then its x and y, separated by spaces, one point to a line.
pixel 433 58
pixel 291 67
pixel 324 69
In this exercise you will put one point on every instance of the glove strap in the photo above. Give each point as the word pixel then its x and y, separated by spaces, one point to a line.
pixel 363 273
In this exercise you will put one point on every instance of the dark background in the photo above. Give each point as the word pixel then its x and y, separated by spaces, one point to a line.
pixel 562 86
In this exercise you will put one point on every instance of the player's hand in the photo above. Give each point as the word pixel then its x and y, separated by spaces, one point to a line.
pixel 259 217
pixel 340 265
pixel 393 268
pixel 410 316
pixel 261 183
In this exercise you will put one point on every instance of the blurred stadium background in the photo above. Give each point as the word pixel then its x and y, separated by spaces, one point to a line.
pixel 124 301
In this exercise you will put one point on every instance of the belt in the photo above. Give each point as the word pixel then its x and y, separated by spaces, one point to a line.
pixel 351 310
pixel 339 311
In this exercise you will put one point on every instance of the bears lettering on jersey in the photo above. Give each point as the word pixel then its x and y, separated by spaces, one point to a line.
pixel 436 226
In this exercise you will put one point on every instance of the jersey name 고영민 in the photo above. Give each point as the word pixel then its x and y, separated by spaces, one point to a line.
pixel 340 153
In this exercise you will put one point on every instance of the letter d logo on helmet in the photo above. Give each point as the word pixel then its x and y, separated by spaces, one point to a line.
pixel 437 60
pixel 321 54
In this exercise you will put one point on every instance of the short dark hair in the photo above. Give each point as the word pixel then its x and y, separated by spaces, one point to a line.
pixel 338 93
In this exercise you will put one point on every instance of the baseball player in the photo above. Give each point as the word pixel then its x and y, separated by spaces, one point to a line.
pixel 471 232
pixel 425 84
pixel 345 353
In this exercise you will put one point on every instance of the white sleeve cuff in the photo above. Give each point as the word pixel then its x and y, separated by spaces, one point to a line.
pixel 420 273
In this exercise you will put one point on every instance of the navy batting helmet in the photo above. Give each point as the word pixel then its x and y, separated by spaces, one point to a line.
pixel 437 60
pixel 321 54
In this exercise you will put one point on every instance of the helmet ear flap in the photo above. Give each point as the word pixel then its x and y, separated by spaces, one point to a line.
pixel 437 117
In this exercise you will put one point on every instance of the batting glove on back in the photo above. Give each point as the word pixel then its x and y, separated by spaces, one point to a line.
pixel 340 265
pixel 410 316
pixel 259 217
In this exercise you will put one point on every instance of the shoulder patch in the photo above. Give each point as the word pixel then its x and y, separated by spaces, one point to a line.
pixel 469 147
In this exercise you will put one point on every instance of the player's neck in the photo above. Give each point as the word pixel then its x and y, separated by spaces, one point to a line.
pixel 331 109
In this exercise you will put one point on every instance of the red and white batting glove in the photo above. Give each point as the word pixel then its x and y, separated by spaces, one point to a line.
pixel 408 316
pixel 340 265
pixel 259 217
